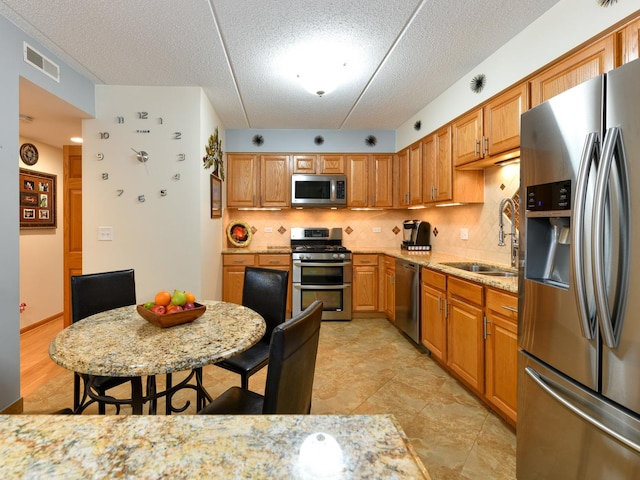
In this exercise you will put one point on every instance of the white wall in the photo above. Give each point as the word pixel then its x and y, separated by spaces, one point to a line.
pixel 161 238
pixel 565 26
pixel 41 256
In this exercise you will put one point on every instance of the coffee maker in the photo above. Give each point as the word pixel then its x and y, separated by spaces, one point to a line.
pixel 416 235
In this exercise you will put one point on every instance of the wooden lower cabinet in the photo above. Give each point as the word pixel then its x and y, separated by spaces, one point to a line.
pixel 465 342
pixel 365 283
pixel 233 266
pixel 501 352
pixel 389 288
pixel 434 313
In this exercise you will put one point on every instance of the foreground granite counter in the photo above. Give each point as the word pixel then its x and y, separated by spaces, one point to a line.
pixel 207 446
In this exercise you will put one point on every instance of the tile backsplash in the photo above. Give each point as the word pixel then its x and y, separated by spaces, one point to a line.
pixel 273 228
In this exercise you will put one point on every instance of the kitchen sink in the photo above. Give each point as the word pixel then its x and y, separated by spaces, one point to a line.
pixel 482 269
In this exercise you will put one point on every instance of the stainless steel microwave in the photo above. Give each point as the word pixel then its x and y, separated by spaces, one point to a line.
pixel 318 190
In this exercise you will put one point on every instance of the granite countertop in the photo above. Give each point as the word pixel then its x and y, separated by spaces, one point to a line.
pixel 121 343
pixel 206 446
pixel 433 260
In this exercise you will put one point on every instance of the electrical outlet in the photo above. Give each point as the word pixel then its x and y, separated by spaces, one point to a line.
pixel 105 234
pixel 268 230
pixel 377 229
pixel 464 234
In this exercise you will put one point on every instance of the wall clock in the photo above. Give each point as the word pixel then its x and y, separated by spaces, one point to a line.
pixel 29 153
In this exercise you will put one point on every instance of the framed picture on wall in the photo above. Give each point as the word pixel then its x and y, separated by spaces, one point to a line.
pixel 37 199
pixel 216 197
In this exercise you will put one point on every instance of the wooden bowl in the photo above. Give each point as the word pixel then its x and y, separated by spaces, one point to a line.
pixel 171 319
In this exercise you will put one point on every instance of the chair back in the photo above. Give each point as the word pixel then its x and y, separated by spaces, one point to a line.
pixel 265 291
pixel 292 363
pixel 97 292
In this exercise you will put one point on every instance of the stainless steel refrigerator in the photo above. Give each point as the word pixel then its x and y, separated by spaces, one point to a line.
pixel 579 283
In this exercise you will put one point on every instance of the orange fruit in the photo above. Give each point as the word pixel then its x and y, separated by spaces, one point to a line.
pixel 163 298
pixel 190 297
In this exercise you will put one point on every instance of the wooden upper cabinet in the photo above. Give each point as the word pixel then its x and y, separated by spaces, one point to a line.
pixel 436 166
pixel 357 180
pixel 502 120
pixel 630 41
pixel 304 164
pixel 331 164
pixel 467 138
pixel 381 181
pixel 275 181
pixel 410 178
pixel 242 185
pixel 583 65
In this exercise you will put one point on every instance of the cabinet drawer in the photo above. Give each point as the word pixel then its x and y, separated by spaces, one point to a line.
pixel 470 292
pixel 365 259
pixel 266 260
pixel 240 259
pixel 389 262
pixel 502 303
pixel 434 279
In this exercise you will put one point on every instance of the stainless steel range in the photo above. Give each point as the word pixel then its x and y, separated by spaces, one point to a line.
pixel 322 270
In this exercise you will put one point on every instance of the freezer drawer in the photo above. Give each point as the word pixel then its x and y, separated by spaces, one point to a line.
pixel 554 443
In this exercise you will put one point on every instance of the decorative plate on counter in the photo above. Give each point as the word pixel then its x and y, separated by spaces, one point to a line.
pixel 239 233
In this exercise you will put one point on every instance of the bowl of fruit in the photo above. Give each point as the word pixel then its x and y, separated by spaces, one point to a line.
pixel 169 310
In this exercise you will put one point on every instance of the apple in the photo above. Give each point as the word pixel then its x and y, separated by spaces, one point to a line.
pixel 175 309
pixel 188 306
pixel 149 305
pixel 159 309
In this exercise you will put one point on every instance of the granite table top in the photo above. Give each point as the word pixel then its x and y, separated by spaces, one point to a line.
pixel 206 446
pixel 120 343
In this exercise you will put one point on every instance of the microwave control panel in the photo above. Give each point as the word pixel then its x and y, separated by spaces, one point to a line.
pixel 341 190
pixel 549 196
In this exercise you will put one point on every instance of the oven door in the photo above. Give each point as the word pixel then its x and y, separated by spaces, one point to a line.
pixel 322 273
pixel 336 300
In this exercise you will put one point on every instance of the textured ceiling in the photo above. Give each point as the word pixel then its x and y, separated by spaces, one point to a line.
pixel 400 54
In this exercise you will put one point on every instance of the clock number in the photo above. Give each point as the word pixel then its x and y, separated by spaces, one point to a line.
pixel 181 157
pixel 160 120
pixel 104 135
pixel 120 119
pixel 177 135
pixel 105 176
pixel 143 115
pixel 100 156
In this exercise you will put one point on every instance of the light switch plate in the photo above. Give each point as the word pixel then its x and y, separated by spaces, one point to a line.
pixel 464 234
pixel 377 229
pixel 105 234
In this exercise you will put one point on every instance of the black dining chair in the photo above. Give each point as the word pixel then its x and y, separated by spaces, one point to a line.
pixel 292 363
pixel 264 291
pixel 95 293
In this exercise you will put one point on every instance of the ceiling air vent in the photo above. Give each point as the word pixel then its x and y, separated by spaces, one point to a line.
pixel 42 63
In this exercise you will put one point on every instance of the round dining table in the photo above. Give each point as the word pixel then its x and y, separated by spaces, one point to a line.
pixel 120 343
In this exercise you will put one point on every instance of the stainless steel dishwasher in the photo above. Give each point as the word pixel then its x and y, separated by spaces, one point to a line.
pixel 408 298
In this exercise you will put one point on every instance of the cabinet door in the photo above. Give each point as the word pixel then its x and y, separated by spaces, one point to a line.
pixel 331 164
pixel 415 174
pixel 242 185
pixel 381 181
pixel 403 178
pixel 502 120
pixel 429 168
pixel 389 286
pixel 501 346
pixel 357 180
pixel 365 289
pixel 275 181
pixel 434 322
pixel 467 135
pixel 233 284
pixel 631 42
pixel 304 164
pixel 278 262
pixel 466 343
pixel 444 165
pixel 588 63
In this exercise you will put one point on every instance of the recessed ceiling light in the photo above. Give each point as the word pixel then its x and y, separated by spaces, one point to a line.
pixel 76 139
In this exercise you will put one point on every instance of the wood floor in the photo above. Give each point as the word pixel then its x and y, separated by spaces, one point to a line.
pixel 36 368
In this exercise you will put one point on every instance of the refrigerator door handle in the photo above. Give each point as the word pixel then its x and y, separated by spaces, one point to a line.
pixel 611 319
pixel 586 309
pixel 542 383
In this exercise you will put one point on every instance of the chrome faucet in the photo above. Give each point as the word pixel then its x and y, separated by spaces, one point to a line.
pixel 514 235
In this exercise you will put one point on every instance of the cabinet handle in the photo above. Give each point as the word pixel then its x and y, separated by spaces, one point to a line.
pixel 439 307
pixel 511 309
pixel 485 330
pixel 476 150
pixel 486 144
pixel 274 261
pixel 238 261
pixel 447 304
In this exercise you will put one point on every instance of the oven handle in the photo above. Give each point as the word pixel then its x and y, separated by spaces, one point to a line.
pixel 320 264
pixel 321 287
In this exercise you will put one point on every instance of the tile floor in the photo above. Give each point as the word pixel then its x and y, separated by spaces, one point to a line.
pixel 366 366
